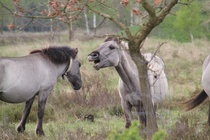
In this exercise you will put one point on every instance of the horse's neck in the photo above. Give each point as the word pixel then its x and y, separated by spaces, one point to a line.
pixel 61 68
pixel 127 71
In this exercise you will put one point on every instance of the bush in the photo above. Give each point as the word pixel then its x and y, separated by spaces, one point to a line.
pixel 133 133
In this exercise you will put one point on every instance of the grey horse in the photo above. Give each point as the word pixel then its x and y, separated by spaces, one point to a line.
pixel 23 78
pixel 111 53
pixel 205 93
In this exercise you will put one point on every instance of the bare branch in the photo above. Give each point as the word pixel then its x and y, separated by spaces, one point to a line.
pixel 106 6
pixel 111 35
pixel 148 8
pixel 120 24
pixel 7 8
pixel 158 48
pixel 167 9
pixel 182 3
pixel 153 22
pixel 23 26
pixel 101 23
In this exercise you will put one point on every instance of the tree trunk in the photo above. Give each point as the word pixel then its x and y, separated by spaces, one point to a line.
pixel 86 22
pixel 192 38
pixel 2 24
pixel 131 18
pixel 151 123
pixel 70 31
pixel 51 24
pixel 94 23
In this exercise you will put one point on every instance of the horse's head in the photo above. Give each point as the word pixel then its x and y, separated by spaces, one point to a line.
pixel 107 55
pixel 73 73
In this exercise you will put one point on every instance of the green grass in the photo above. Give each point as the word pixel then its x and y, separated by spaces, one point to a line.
pixel 65 111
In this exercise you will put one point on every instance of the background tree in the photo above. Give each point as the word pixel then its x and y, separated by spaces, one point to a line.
pixel 188 19
pixel 4 18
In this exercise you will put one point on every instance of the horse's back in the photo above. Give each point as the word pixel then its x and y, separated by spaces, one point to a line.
pixel 22 77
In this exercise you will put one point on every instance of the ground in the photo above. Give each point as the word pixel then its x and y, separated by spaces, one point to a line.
pixel 65 111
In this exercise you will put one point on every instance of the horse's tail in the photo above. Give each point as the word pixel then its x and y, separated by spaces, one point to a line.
pixel 195 101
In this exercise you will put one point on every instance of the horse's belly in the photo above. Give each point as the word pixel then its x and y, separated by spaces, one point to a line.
pixel 16 96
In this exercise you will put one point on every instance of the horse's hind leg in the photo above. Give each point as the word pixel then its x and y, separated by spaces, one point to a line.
pixel 26 111
pixel 127 111
pixel 141 113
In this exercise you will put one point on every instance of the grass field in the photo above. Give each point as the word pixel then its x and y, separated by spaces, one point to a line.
pixel 65 111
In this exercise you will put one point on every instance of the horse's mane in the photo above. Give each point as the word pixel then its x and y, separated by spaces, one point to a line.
pixel 58 55
pixel 117 40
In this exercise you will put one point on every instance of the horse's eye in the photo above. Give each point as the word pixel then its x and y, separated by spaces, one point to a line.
pixel 111 47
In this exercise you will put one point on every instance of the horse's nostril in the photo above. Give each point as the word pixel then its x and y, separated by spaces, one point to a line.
pixel 95 54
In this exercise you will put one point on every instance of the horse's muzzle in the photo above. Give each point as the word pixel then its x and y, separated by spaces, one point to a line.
pixel 94 57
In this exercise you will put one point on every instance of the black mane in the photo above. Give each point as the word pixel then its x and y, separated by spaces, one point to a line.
pixel 58 55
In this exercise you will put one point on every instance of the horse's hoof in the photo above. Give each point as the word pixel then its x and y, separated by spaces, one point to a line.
pixel 20 129
pixel 40 132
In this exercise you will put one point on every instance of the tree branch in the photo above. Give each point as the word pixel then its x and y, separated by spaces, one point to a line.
pixel 22 15
pixel 153 22
pixel 120 24
pixel 158 48
pixel 111 35
pixel 148 8
pixel 167 9
pixel 7 8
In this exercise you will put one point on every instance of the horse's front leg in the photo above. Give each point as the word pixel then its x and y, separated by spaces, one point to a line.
pixel 41 107
pixel 26 111
pixel 127 111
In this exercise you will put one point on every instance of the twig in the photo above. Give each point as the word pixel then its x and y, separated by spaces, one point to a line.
pixel 158 48
pixel 101 23
pixel 111 35
pixel 4 6
pixel 182 3
pixel 23 26
pixel 116 21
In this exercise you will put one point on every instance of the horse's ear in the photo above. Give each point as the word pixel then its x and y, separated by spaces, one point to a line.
pixel 76 51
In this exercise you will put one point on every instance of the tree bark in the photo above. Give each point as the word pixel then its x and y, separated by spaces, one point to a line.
pixel 151 123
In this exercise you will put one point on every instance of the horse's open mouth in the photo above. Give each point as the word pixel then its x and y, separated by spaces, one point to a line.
pixel 94 60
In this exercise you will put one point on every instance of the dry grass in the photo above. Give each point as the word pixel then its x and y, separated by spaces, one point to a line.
pixel 64 118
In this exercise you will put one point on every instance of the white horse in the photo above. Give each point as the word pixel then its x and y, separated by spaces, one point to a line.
pixel 205 93
pixel 111 53
pixel 23 78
